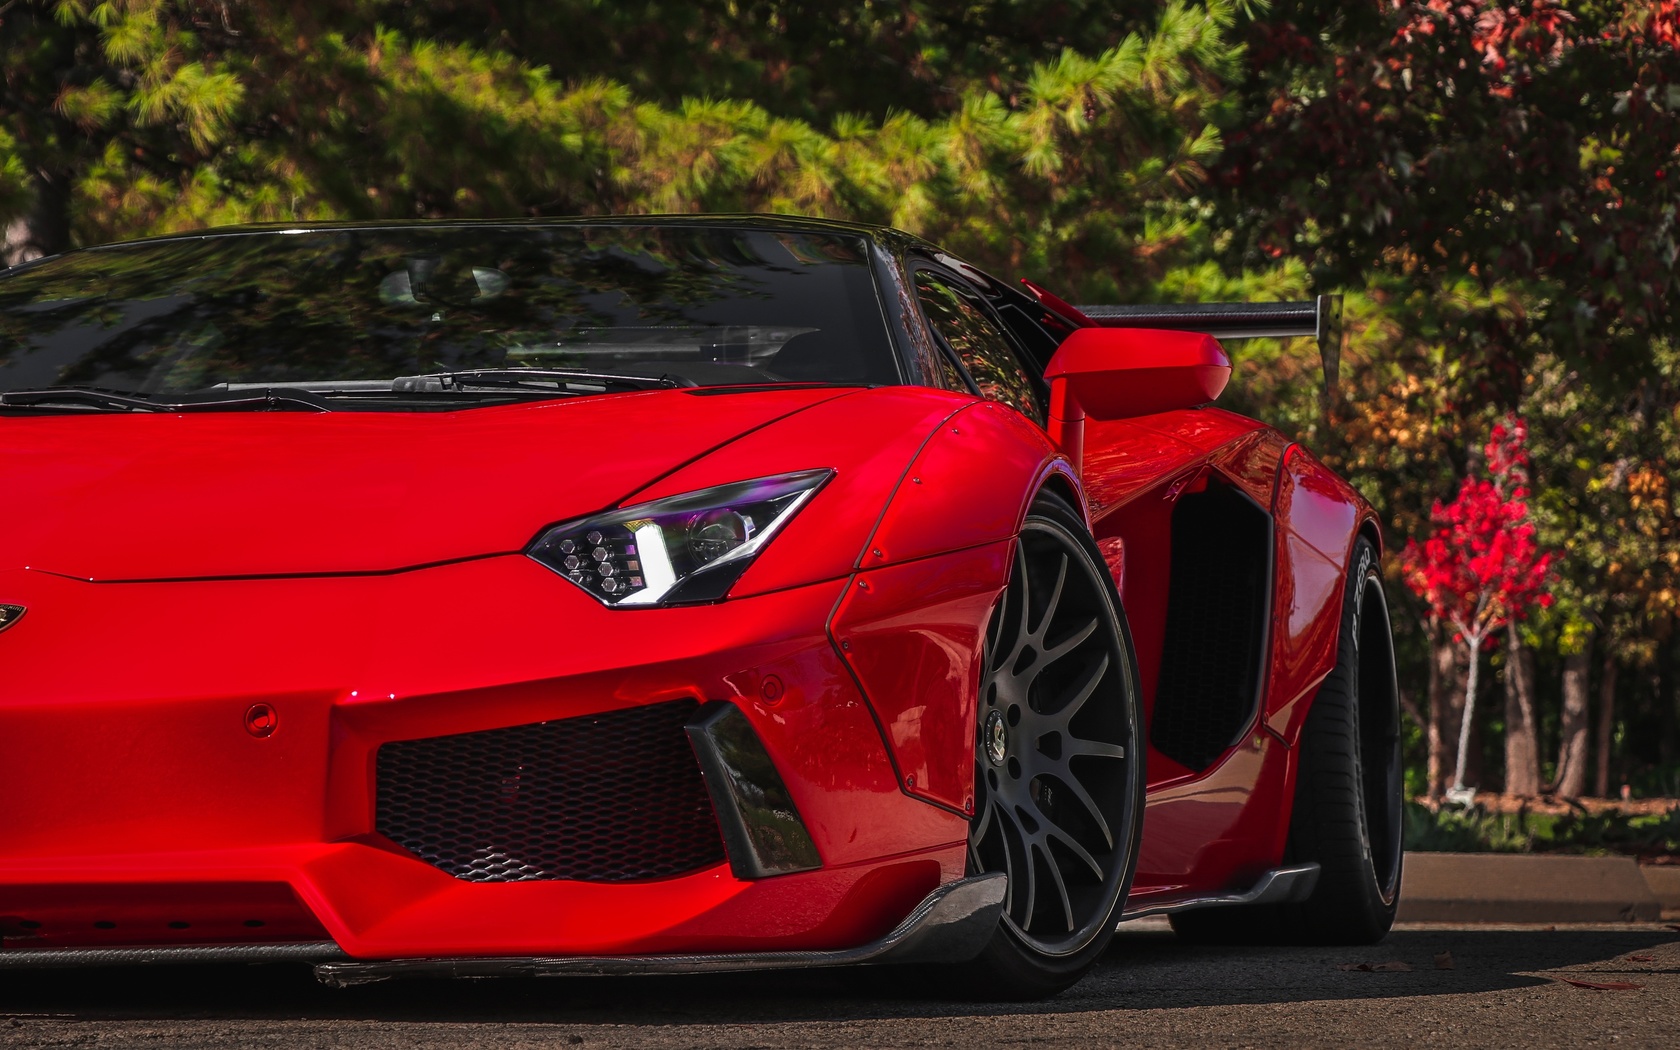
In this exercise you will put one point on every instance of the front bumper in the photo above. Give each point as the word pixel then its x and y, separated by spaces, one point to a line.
pixel 953 924
pixel 142 811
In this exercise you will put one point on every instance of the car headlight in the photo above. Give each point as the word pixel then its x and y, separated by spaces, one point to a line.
pixel 688 548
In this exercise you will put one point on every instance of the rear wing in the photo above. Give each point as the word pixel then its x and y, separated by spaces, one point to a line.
pixel 1320 318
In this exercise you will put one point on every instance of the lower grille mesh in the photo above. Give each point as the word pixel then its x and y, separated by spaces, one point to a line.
pixel 611 797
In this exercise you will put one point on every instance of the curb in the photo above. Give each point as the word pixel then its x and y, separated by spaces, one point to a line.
pixel 1664 881
pixel 1527 888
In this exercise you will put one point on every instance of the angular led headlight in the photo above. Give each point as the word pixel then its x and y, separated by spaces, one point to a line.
pixel 688 548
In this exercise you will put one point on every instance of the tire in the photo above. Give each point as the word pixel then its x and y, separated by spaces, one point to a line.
pixel 1348 791
pixel 1059 778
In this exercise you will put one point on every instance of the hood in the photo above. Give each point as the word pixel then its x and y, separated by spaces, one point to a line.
pixel 209 494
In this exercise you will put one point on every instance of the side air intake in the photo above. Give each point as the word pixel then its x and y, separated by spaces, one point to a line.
pixel 1218 611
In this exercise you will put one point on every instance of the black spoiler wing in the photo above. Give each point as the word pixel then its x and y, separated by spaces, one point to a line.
pixel 1320 318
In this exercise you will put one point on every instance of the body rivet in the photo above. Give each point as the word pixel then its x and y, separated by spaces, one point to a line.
pixel 261 720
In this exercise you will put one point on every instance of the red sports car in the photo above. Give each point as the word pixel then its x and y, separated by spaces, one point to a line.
pixel 629 595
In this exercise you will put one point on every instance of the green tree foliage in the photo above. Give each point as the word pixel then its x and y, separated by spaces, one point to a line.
pixel 148 115
pixel 1521 143
pixel 801 60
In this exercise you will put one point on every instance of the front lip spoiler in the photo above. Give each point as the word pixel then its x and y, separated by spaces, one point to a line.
pixel 58 958
pixel 952 924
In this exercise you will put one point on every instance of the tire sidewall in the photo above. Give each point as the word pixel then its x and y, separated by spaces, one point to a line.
pixel 1374 902
pixel 1367 574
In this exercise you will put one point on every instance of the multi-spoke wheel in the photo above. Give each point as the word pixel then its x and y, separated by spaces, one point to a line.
pixel 1059 767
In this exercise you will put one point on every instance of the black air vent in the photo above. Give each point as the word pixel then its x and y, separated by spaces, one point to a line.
pixel 1218 609
pixel 612 797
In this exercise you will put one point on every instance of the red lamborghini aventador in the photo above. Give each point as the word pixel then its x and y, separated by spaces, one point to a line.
pixel 630 595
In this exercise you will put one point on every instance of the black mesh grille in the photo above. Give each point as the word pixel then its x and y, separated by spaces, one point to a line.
pixel 602 798
pixel 1217 607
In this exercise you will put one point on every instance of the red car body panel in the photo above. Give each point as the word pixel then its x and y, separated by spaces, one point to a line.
pixel 828 543
pixel 170 789
pixel 363 575
pixel 392 656
pixel 912 633
pixel 280 493
pixel 1320 516
pixel 1208 831
pixel 951 497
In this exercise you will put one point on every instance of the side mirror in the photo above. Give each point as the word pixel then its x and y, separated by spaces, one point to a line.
pixel 1115 373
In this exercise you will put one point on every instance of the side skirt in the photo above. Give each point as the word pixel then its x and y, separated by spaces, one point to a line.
pixel 1281 886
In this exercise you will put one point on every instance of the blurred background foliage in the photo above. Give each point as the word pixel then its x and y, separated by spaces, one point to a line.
pixel 1478 829
pixel 1493 185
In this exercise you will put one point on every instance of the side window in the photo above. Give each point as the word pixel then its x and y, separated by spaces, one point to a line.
pixel 956 316
pixel 950 377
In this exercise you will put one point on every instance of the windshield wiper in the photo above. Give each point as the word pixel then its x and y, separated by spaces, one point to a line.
pixel 96 399
pixel 503 382
pixel 560 379
pixel 319 395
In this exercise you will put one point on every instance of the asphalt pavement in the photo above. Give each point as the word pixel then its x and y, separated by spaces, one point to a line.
pixel 1508 986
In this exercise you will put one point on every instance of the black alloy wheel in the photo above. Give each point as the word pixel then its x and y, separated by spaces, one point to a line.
pixel 1348 791
pixel 1059 777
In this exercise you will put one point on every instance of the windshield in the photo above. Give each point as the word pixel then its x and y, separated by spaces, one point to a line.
pixel 690 305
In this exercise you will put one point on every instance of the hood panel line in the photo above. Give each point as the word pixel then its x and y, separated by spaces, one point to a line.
pixel 644 486
pixel 226 577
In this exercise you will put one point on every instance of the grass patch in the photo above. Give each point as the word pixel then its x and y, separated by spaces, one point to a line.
pixel 1474 829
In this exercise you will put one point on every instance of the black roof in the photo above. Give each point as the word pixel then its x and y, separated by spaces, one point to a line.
pixel 742 221
pixel 886 235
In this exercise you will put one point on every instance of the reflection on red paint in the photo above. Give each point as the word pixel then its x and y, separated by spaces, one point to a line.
pixel 913 637
pixel 1114 556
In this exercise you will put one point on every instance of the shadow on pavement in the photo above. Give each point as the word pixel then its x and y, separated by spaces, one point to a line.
pixel 1144 970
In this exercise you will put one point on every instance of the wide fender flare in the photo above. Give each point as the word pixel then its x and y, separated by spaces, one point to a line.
pixel 1319 517
pixel 911 624
pixel 972 483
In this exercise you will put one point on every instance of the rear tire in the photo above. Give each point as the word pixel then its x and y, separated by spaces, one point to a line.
pixel 1059 776
pixel 1348 792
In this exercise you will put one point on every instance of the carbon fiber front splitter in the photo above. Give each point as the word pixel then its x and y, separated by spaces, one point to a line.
pixel 63 958
pixel 952 924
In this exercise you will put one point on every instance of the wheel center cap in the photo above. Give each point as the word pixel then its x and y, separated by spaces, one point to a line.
pixel 996 738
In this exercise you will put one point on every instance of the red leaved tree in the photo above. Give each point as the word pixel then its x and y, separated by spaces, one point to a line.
pixel 1481 569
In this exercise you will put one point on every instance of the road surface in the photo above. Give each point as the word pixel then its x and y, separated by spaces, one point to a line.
pixel 1506 987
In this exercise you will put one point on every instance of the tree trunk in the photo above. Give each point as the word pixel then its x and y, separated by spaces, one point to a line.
pixel 1572 747
pixel 1446 705
pixel 1668 723
pixel 1475 645
pixel 1522 733
pixel 45 230
pixel 1606 722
